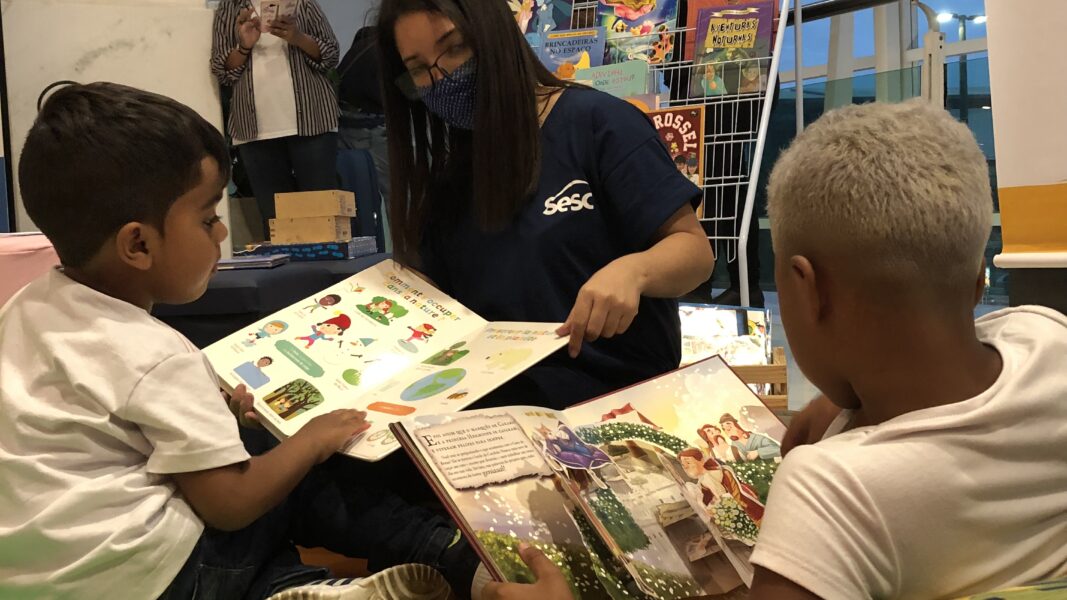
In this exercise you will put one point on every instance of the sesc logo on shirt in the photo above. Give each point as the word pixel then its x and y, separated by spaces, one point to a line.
pixel 579 198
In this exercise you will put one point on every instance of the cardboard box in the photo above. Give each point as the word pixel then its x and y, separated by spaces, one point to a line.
pixel 326 203
pixel 310 230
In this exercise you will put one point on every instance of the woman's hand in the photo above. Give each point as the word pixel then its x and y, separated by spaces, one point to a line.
pixel 247 29
pixel 551 585
pixel 287 29
pixel 606 304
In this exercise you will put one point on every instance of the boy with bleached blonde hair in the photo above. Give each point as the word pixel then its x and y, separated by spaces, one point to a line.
pixel 940 472
pixel 943 473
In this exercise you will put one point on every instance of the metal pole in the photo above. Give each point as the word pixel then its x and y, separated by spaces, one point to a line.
pixel 757 160
pixel 963 72
pixel 5 118
pixel 798 77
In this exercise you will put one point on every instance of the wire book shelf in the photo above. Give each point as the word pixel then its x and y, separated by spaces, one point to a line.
pixel 735 131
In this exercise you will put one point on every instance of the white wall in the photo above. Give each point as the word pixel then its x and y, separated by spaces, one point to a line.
pixel 160 45
pixel 349 16
pixel 1026 56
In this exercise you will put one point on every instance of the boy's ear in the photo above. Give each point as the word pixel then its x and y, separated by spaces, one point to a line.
pixel 808 293
pixel 979 286
pixel 134 244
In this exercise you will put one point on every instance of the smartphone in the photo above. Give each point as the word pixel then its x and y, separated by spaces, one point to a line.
pixel 287 8
pixel 268 12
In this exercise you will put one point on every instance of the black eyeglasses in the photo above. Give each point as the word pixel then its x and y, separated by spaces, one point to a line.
pixel 414 83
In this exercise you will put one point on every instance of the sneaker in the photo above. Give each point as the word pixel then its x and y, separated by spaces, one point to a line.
pixel 402 582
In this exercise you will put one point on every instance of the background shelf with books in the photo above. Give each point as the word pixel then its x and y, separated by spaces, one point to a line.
pixel 705 71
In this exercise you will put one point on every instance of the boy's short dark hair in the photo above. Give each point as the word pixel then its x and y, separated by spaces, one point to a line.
pixel 102 155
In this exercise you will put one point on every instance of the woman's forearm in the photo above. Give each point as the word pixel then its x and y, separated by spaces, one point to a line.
pixel 674 266
pixel 236 59
pixel 309 46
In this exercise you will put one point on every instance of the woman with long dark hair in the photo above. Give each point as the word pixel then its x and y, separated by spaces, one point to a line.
pixel 530 199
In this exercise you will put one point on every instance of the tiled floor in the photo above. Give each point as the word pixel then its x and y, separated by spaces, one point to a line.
pixel 801 391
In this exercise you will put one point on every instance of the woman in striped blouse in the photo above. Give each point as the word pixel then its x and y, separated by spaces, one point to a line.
pixel 283 113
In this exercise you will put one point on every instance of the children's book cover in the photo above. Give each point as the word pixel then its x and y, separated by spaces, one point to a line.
pixel 682 130
pixel 630 78
pixel 566 52
pixel 383 341
pixel 742 336
pixel 733 49
pixel 657 490
pixel 540 16
pixel 694 8
pixel 639 29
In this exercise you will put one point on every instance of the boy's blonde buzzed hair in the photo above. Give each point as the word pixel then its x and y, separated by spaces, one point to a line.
pixel 902 187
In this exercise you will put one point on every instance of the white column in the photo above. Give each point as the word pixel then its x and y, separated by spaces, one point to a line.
pixel 839 65
pixel 889 47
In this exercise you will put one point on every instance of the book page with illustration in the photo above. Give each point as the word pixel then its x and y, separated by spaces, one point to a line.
pixel 656 490
pixel 383 341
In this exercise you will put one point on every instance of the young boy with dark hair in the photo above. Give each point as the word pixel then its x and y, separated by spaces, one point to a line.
pixel 123 473
pixel 939 466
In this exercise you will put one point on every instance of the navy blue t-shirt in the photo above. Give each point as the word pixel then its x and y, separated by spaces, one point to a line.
pixel 606 186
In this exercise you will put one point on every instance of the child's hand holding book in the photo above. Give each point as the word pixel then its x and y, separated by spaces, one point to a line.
pixel 333 431
pixel 551 584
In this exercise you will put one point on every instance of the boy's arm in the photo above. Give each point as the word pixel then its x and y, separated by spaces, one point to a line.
pixel 809 425
pixel 233 496
pixel 768 585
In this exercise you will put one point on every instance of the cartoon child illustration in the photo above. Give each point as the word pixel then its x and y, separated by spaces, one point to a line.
pixel 717 482
pixel 712 81
pixel 331 327
pixel 253 374
pixel 380 306
pixel 383 310
pixel 323 302
pixel 272 328
pixel 679 163
pixel 422 333
pixel 751 445
pixel 692 169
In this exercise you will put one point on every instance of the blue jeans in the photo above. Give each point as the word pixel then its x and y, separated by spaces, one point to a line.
pixel 290 164
pixel 331 509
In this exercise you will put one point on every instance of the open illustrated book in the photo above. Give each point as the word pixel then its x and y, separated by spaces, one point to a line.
pixel 655 491
pixel 383 341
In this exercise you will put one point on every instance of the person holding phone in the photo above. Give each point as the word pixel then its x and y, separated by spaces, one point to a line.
pixel 276 54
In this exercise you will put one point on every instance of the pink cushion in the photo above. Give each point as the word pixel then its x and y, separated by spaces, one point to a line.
pixel 23 258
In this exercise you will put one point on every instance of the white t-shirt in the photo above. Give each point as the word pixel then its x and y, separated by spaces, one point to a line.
pixel 942 502
pixel 99 401
pixel 272 87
